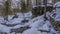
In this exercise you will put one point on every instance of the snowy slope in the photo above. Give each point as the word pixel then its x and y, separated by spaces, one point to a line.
pixel 21 17
pixel 37 24
pixel 31 31
pixel 4 28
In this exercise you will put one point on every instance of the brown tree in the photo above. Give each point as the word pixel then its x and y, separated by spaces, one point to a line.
pixel 7 10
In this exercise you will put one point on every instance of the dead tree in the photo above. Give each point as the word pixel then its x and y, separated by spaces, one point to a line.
pixel 7 9
pixel 23 9
pixel 55 24
pixel 28 5
pixel 23 6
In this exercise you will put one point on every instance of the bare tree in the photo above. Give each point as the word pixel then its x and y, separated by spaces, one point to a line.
pixel 29 5
pixel 7 10
pixel 23 7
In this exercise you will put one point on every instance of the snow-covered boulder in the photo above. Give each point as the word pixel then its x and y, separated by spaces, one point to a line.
pixel 16 21
pixel 37 22
pixel 57 5
pixel 10 17
pixel 46 26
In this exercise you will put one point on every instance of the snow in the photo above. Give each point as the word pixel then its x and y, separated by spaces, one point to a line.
pixel 16 20
pixel 49 4
pixel 48 14
pixel 2 2
pixel 15 3
pixel 57 5
pixel 10 17
pixel 46 26
pixel 17 26
pixel 4 28
pixel 1 20
pixel 37 24
pixel 35 31
pixel 13 33
pixel 40 24
pixel 31 31
pixel 57 18
pixel 27 15
pixel 16 33
pixel 21 17
pixel 34 21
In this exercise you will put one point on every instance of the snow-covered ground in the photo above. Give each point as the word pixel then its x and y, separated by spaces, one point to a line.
pixel 4 28
pixel 37 25
pixel 1 20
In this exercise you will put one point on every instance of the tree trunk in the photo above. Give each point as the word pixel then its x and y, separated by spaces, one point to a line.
pixel 7 10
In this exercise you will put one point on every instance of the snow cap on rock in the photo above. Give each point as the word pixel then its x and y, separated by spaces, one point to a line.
pixel 57 4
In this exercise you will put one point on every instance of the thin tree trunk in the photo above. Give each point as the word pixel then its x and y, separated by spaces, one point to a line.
pixel 45 3
pixel 7 9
